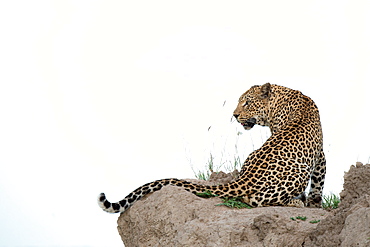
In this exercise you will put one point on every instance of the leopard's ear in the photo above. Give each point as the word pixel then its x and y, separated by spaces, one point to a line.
pixel 265 91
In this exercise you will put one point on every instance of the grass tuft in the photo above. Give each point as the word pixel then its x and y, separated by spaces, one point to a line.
pixel 206 194
pixel 303 218
pixel 330 201
pixel 211 167
pixel 222 161
pixel 234 202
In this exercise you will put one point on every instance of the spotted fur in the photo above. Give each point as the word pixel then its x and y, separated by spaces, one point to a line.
pixel 278 172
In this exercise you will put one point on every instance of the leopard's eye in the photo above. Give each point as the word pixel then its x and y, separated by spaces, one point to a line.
pixel 245 103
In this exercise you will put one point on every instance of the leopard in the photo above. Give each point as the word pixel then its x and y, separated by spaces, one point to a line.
pixel 278 173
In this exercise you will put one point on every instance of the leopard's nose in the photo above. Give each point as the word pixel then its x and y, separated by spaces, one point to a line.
pixel 236 115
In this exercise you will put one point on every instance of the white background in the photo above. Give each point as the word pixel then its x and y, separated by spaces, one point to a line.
pixel 103 96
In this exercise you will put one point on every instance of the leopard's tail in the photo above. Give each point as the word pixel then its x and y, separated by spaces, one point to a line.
pixel 123 205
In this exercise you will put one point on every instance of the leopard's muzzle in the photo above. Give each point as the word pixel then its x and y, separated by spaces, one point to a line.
pixel 249 123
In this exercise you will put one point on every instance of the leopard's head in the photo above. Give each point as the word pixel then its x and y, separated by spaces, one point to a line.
pixel 253 106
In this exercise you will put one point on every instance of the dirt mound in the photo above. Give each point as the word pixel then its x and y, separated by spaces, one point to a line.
pixel 350 223
pixel 174 217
